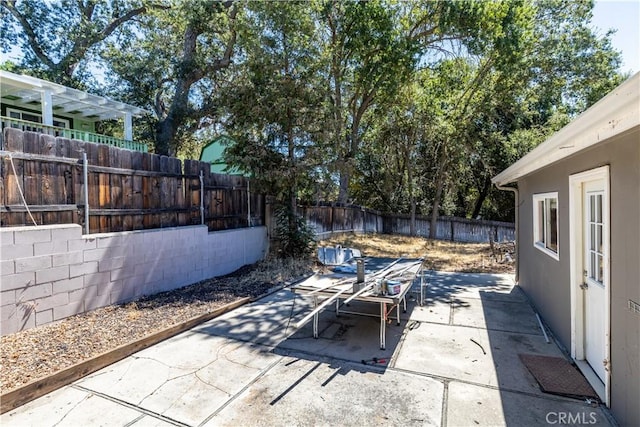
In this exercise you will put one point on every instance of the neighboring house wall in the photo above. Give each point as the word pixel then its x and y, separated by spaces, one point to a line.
pixel 213 153
pixel 52 272
pixel 546 280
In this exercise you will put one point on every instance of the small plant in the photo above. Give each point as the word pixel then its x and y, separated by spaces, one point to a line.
pixel 295 237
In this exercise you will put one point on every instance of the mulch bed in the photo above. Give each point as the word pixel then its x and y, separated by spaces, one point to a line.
pixel 39 352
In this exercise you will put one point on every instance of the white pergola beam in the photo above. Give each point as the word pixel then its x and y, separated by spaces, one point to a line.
pixel 25 99
pixel 49 95
pixel 70 106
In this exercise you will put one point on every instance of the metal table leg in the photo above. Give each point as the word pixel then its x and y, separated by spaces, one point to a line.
pixel 421 287
pixel 383 312
pixel 315 317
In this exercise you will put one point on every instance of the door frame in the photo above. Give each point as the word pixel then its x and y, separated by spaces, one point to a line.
pixel 576 218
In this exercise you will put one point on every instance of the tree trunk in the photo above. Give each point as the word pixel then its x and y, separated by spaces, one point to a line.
pixel 482 195
pixel 293 189
pixel 167 127
pixel 412 197
pixel 343 193
pixel 440 175
pixel 166 130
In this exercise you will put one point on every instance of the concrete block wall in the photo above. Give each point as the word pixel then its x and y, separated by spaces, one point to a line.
pixel 52 272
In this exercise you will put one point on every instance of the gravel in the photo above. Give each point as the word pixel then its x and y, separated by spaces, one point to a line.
pixel 39 352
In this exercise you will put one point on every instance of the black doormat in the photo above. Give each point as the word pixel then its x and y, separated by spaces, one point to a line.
pixel 556 375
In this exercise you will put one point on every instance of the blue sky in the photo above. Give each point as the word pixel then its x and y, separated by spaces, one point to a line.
pixel 625 17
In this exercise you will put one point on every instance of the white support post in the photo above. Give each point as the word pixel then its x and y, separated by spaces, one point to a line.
pixel 47 107
pixel 128 126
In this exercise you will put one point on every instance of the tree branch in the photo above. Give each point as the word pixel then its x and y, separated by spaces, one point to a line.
pixel 29 31
pixel 106 32
pixel 83 44
pixel 225 61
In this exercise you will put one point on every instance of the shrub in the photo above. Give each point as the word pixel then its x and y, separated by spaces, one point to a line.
pixel 295 237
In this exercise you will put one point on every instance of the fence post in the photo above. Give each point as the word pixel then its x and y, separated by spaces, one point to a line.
pixel 248 204
pixel 453 232
pixel 364 220
pixel 201 197
pixel 85 173
pixel 331 218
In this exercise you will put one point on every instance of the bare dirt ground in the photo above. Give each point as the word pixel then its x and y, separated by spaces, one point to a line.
pixel 37 353
pixel 439 255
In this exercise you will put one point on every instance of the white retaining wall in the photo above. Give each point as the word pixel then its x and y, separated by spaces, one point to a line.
pixel 52 272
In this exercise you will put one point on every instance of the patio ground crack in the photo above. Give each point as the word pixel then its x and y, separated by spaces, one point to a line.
pixel 72 408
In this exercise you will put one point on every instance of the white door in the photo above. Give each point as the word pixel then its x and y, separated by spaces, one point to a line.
pixel 595 282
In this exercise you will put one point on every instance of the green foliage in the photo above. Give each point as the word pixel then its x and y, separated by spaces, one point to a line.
pixel 272 107
pixel 294 236
pixel 405 106
pixel 170 64
pixel 60 38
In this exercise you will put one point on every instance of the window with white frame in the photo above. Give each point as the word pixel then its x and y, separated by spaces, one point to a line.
pixel 36 118
pixel 545 223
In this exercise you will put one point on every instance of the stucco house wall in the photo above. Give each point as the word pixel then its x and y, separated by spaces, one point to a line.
pixel 547 281
pixel 599 151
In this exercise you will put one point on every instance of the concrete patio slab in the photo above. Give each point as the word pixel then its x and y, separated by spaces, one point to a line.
pixel 149 421
pixel 450 352
pixel 70 407
pixel 267 321
pixel 448 287
pixel 170 378
pixel 469 405
pixel 496 315
pixel 432 311
pixel 348 336
pixel 452 362
pixel 312 392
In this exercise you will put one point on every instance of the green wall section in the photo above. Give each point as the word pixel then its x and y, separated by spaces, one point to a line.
pixel 213 153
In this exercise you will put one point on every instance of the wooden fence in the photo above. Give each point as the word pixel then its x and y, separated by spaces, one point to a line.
pixel 127 190
pixel 130 190
pixel 328 219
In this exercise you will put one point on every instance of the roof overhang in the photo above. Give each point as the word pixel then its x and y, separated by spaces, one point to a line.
pixel 26 91
pixel 615 114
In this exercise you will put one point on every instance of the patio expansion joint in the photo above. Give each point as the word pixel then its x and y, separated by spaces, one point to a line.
pixel 448 381
pixel 130 405
pixel 481 328
pixel 445 403
pixel 506 331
